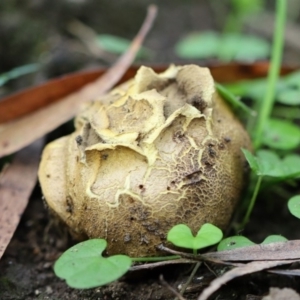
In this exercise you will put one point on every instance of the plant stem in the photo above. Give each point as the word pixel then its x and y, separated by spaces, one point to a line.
pixel 277 49
pixel 252 201
pixel 157 258
pixel 198 264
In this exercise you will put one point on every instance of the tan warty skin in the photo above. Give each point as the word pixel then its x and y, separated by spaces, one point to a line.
pixel 159 150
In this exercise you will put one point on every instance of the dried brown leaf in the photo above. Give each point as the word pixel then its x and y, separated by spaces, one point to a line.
pixel 248 268
pixel 34 98
pixel 282 294
pixel 31 99
pixel 17 134
pixel 272 251
pixel 16 183
pixel 292 272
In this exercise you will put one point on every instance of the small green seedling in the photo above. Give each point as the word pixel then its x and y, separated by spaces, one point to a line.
pixel 235 242
pixel 274 239
pixel 294 206
pixel 84 267
pixel 181 235
pixel 268 163
pixel 281 134
pixel 287 89
pixel 207 44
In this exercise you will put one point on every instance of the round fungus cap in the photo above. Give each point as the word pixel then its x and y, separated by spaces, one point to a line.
pixel 159 150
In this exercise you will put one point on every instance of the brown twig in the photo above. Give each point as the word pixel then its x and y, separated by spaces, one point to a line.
pixel 193 257
pixel 171 289
pixel 161 263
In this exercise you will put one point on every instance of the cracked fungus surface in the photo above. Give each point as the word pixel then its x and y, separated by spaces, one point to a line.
pixel 159 150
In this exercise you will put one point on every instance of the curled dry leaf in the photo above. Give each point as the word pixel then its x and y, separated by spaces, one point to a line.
pixel 240 271
pixel 159 150
pixel 271 251
pixel 282 294
pixel 16 183
pixel 17 134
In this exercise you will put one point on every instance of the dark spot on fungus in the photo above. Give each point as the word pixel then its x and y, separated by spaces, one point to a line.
pixel 139 138
pixel 69 204
pixel 221 146
pixel 227 139
pixel 141 186
pixel 79 140
pixel 178 137
pixel 168 188
pixel 48 176
pixel 104 156
pixel 198 102
pixel 5 144
pixel 127 238
pixel 193 178
pixel 211 151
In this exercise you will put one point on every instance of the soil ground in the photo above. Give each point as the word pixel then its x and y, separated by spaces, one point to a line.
pixel 37 31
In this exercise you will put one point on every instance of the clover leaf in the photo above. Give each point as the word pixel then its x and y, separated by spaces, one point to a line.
pixel 294 206
pixel 289 96
pixel 268 163
pixel 181 236
pixel 84 267
pixel 234 242
pixel 207 44
pixel 282 135
pixel 274 239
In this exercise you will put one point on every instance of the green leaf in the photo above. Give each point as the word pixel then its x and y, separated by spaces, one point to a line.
pixel 233 100
pixel 282 135
pixel 17 72
pixel 198 45
pixel 294 206
pixel 252 160
pixel 292 80
pixel 243 47
pixel 274 239
pixel 254 89
pixel 234 242
pixel 84 267
pixel 181 236
pixel 117 45
pixel 247 6
pixel 289 96
pixel 291 165
pixel 225 47
pixel 268 163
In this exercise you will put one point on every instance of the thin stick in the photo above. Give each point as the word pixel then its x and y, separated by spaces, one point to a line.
pixel 155 258
pixel 171 289
pixel 161 263
pixel 198 264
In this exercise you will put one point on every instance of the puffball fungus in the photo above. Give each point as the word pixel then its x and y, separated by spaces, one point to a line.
pixel 159 150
